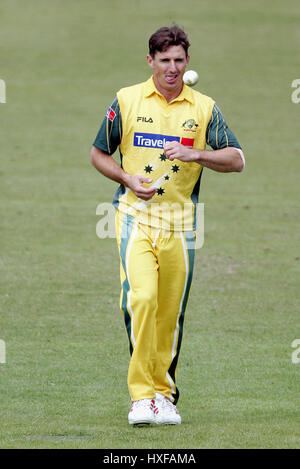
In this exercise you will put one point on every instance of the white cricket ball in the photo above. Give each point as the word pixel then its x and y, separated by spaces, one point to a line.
pixel 190 77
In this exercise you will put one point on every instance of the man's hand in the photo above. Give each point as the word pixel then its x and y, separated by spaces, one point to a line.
pixel 224 160
pixel 135 183
pixel 106 165
pixel 177 150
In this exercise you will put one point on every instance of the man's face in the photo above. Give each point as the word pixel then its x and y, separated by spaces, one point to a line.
pixel 168 69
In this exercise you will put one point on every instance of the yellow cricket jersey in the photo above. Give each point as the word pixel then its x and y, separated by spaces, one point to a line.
pixel 140 122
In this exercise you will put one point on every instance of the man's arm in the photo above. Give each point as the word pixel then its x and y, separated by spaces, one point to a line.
pixel 225 160
pixel 105 144
pixel 226 154
pixel 107 166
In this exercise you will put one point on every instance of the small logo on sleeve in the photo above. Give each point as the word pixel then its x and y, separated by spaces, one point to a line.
pixel 110 114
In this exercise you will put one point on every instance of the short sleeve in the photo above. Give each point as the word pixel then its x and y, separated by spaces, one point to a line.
pixel 110 132
pixel 218 135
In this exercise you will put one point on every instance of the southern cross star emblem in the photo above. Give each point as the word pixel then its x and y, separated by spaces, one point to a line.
pixel 148 168
pixel 160 191
pixel 175 168
pixel 163 157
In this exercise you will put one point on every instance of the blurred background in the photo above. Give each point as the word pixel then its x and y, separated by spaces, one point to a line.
pixel 64 380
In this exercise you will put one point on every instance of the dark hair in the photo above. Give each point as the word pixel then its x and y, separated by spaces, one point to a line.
pixel 165 37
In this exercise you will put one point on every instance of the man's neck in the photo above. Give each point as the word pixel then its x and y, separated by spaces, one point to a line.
pixel 169 95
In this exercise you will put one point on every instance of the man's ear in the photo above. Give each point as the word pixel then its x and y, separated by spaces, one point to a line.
pixel 188 59
pixel 149 60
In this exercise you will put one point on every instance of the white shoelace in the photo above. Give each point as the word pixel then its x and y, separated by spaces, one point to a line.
pixel 169 405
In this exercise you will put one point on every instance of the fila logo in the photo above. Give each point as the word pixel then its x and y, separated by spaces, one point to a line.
pixel 144 119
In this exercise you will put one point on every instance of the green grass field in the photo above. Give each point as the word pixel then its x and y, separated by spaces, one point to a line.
pixel 64 381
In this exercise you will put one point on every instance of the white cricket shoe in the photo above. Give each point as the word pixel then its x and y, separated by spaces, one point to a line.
pixel 165 411
pixel 141 412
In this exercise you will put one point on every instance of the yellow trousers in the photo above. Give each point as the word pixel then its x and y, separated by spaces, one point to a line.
pixel 156 274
